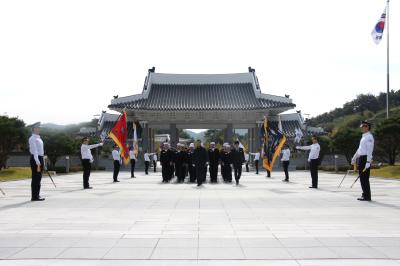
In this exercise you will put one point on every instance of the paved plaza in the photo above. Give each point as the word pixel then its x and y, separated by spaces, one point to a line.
pixel 141 221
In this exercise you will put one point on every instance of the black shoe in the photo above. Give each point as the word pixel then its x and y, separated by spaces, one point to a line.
pixel 313 187
pixel 363 199
pixel 285 180
pixel 115 181
pixel 37 199
pixel 87 188
pixel 237 183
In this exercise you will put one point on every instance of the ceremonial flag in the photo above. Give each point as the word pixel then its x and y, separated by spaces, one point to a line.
pixel 135 142
pixel 377 32
pixel 120 136
pixel 272 146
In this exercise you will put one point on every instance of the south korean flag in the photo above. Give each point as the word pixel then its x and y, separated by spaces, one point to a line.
pixel 377 32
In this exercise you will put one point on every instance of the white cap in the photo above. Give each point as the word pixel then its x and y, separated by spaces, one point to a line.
pixel 212 143
pixel 191 145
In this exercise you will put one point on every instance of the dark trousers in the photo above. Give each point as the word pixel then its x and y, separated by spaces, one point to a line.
pixel 256 164
pixel 247 167
pixel 146 167
pixel 155 166
pixel 133 163
pixel 227 173
pixel 36 177
pixel 171 172
pixel 87 166
pixel 117 165
pixel 238 171
pixel 165 172
pixel 192 174
pixel 180 172
pixel 314 172
pixel 285 165
pixel 200 174
pixel 364 177
pixel 213 172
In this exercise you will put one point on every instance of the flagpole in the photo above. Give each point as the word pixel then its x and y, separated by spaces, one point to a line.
pixel 387 61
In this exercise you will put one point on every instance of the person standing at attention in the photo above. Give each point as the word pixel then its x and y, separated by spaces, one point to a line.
pixel 313 159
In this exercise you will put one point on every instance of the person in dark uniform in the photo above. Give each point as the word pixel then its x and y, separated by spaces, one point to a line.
pixel 237 161
pixel 164 161
pixel 213 157
pixel 313 159
pixel 200 159
pixel 226 162
pixel 171 158
pixel 87 159
pixel 191 166
pixel 247 161
pixel 363 156
pixel 180 160
pixel 117 162
pixel 36 149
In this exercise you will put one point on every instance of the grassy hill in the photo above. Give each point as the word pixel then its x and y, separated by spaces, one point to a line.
pixel 353 120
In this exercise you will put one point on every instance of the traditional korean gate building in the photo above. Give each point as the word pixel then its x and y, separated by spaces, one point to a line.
pixel 203 101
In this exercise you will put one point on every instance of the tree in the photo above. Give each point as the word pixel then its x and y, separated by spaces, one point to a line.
pixel 13 133
pixel 215 135
pixel 183 134
pixel 387 136
pixel 345 141
pixel 57 144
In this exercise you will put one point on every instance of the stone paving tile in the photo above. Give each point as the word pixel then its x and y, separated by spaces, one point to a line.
pixel 210 253
pixel 312 253
pixel 209 226
pixel 175 253
pixel 137 242
pixel 260 242
pixel 37 253
pixel 266 253
pixel 352 262
pixel 84 253
pixel 358 253
pixel 129 253
pixel 8 252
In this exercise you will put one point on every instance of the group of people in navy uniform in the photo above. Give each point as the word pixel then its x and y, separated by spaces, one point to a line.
pixel 193 161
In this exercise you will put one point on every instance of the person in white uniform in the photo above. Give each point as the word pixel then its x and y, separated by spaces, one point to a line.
pixel 117 162
pixel 313 159
pixel 363 157
pixel 87 160
pixel 36 149
pixel 132 157
pixel 155 161
pixel 285 161
pixel 256 159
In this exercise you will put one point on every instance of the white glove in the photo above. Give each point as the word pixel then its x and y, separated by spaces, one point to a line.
pixel 101 144
pixel 308 160
pixel 91 160
pixel 297 147
pixel 353 162
pixel 367 165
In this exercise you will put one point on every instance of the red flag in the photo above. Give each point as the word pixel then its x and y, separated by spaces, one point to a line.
pixel 120 136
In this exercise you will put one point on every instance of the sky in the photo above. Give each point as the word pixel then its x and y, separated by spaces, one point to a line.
pixel 62 61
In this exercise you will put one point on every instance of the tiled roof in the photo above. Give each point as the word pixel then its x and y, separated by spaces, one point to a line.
pixel 198 97
pixel 288 126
